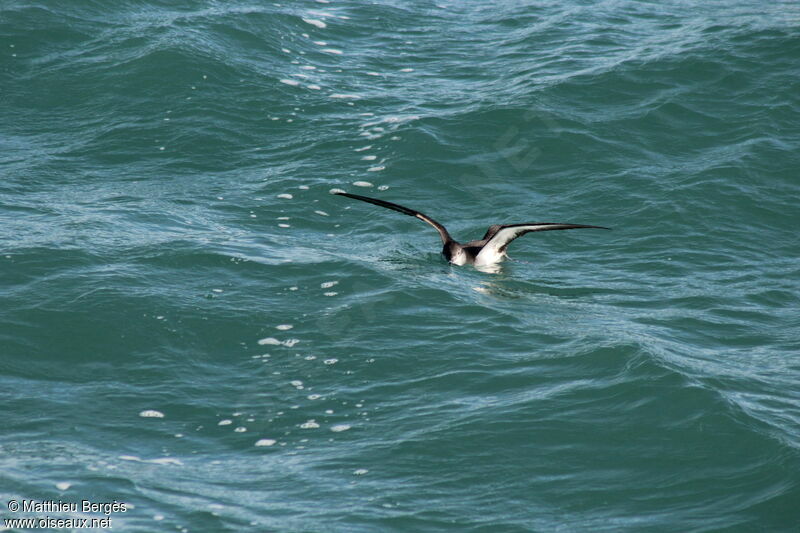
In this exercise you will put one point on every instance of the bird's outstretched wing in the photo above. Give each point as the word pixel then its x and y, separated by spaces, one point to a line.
pixel 499 237
pixel 405 210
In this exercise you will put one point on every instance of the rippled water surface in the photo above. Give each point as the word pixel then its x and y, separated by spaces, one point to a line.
pixel 191 324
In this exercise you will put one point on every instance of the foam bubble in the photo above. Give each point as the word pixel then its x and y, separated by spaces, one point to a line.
pixel 166 461
pixel 63 485
pixel 293 83
pixel 151 413
pixel 360 472
pixel 362 184
pixel 328 284
pixel 332 51
pixel 376 169
pixel 311 424
pixel 265 442
pixel 321 213
pixel 363 148
pixel 406 70
pixel 369 158
pixel 331 293
pixel 225 422
pixel 315 22
pixel 336 191
pixel 269 340
pixel 285 196
pixel 338 428
pixel 345 96
pixel 284 327
pixel 330 361
pixel 314 87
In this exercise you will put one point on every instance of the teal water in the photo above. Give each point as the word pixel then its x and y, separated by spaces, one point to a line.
pixel 169 246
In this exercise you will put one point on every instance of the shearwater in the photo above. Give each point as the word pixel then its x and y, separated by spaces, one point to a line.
pixel 489 250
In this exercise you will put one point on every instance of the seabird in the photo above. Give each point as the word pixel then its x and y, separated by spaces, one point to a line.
pixel 489 250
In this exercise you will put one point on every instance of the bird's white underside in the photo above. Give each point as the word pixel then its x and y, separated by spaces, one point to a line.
pixel 489 257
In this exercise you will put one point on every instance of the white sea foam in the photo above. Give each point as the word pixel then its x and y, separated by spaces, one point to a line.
pixel 328 284
pixel 315 22
pixel 285 196
pixel 269 340
pixel 265 442
pixel 293 83
pixel 225 422
pixel 369 158
pixel 322 213
pixel 284 327
pixel 362 184
pixel 345 96
pixel 334 191
pixel 165 461
pixel 375 169
pixel 338 428
pixel 310 424
pixel 151 413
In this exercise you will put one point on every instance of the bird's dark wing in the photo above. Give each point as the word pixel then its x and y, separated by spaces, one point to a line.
pixel 405 210
pixel 499 240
